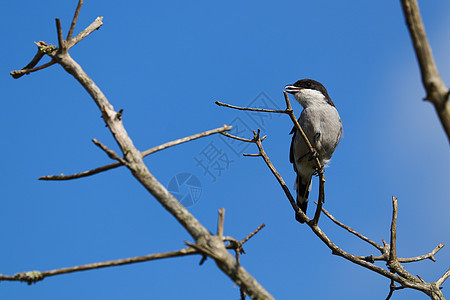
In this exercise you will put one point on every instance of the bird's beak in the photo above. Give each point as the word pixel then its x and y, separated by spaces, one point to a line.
pixel 292 89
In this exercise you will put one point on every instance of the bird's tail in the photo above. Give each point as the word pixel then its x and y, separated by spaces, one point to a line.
pixel 302 195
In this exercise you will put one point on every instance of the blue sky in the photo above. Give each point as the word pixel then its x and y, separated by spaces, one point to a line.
pixel 165 65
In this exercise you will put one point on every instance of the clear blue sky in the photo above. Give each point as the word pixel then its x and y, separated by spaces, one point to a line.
pixel 165 64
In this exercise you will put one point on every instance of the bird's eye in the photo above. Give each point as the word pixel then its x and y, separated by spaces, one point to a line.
pixel 308 83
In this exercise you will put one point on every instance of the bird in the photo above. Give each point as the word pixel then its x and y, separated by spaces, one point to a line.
pixel 322 125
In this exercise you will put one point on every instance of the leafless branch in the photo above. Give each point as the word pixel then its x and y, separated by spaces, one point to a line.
pixel 87 31
pixel 26 71
pixel 422 257
pixel 34 276
pixel 383 249
pixel 396 271
pixel 194 249
pixel 250 109
pixel 113 155
pixel 144 154
pixel 60 34
pixel 251 154
pixel 352 231
pixel 31 65
pixel 444 277
pixel 205 242
pixel 236 137
pixel 392 289
pixel 437 92
pixel 74 20
pixel 393 244
pixel 220 223
pixel 253 233
pixel 43 49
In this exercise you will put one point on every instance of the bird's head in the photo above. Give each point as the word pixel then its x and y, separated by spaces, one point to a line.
pixel 309 92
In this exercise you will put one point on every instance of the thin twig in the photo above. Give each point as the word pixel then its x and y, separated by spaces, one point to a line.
pixel 392 289
pixel 111 154
pixel 251 154
pixel 87 31
pixel 236 137
pixel 61 45
pixel 393 243
pixel 145 153
pixel 444 277
pixel 19 73
pixel 351 230
pixel 253 233
pixel 74 20
pixel 125 261
pixel 321 197
pixel 220 223
pixel 25 71
pixel 422 257
pixel 251 109
pixel 280 181
pixel 186 139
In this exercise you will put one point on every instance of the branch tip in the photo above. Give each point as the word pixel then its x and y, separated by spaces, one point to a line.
pixel 74 20
pixel 60 35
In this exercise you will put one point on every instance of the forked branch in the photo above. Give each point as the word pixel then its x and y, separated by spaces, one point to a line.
pixel 35 276
pixel 396 272
pixel 133 160
pixel 144 154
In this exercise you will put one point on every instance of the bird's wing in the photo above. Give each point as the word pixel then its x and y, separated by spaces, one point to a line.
pixel 291 151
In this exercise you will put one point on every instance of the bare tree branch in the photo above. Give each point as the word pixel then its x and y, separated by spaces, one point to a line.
pixel 383 249
pixel 204 241
pixel 87 31
pixel 389 254
pixel 220 223
pixel 392 289
pixel 61 44
pixel 422 257
pixel 437 92
pixel 113 155
pixel 393 244
pixel 253 233
pixel 34 276
pixel 444 277
pixel 250 108
pixel 144 154
pixel 74 20
pixel 30 67
pixel 352 231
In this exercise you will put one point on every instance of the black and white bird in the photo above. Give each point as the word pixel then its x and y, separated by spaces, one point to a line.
pixel 322 125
